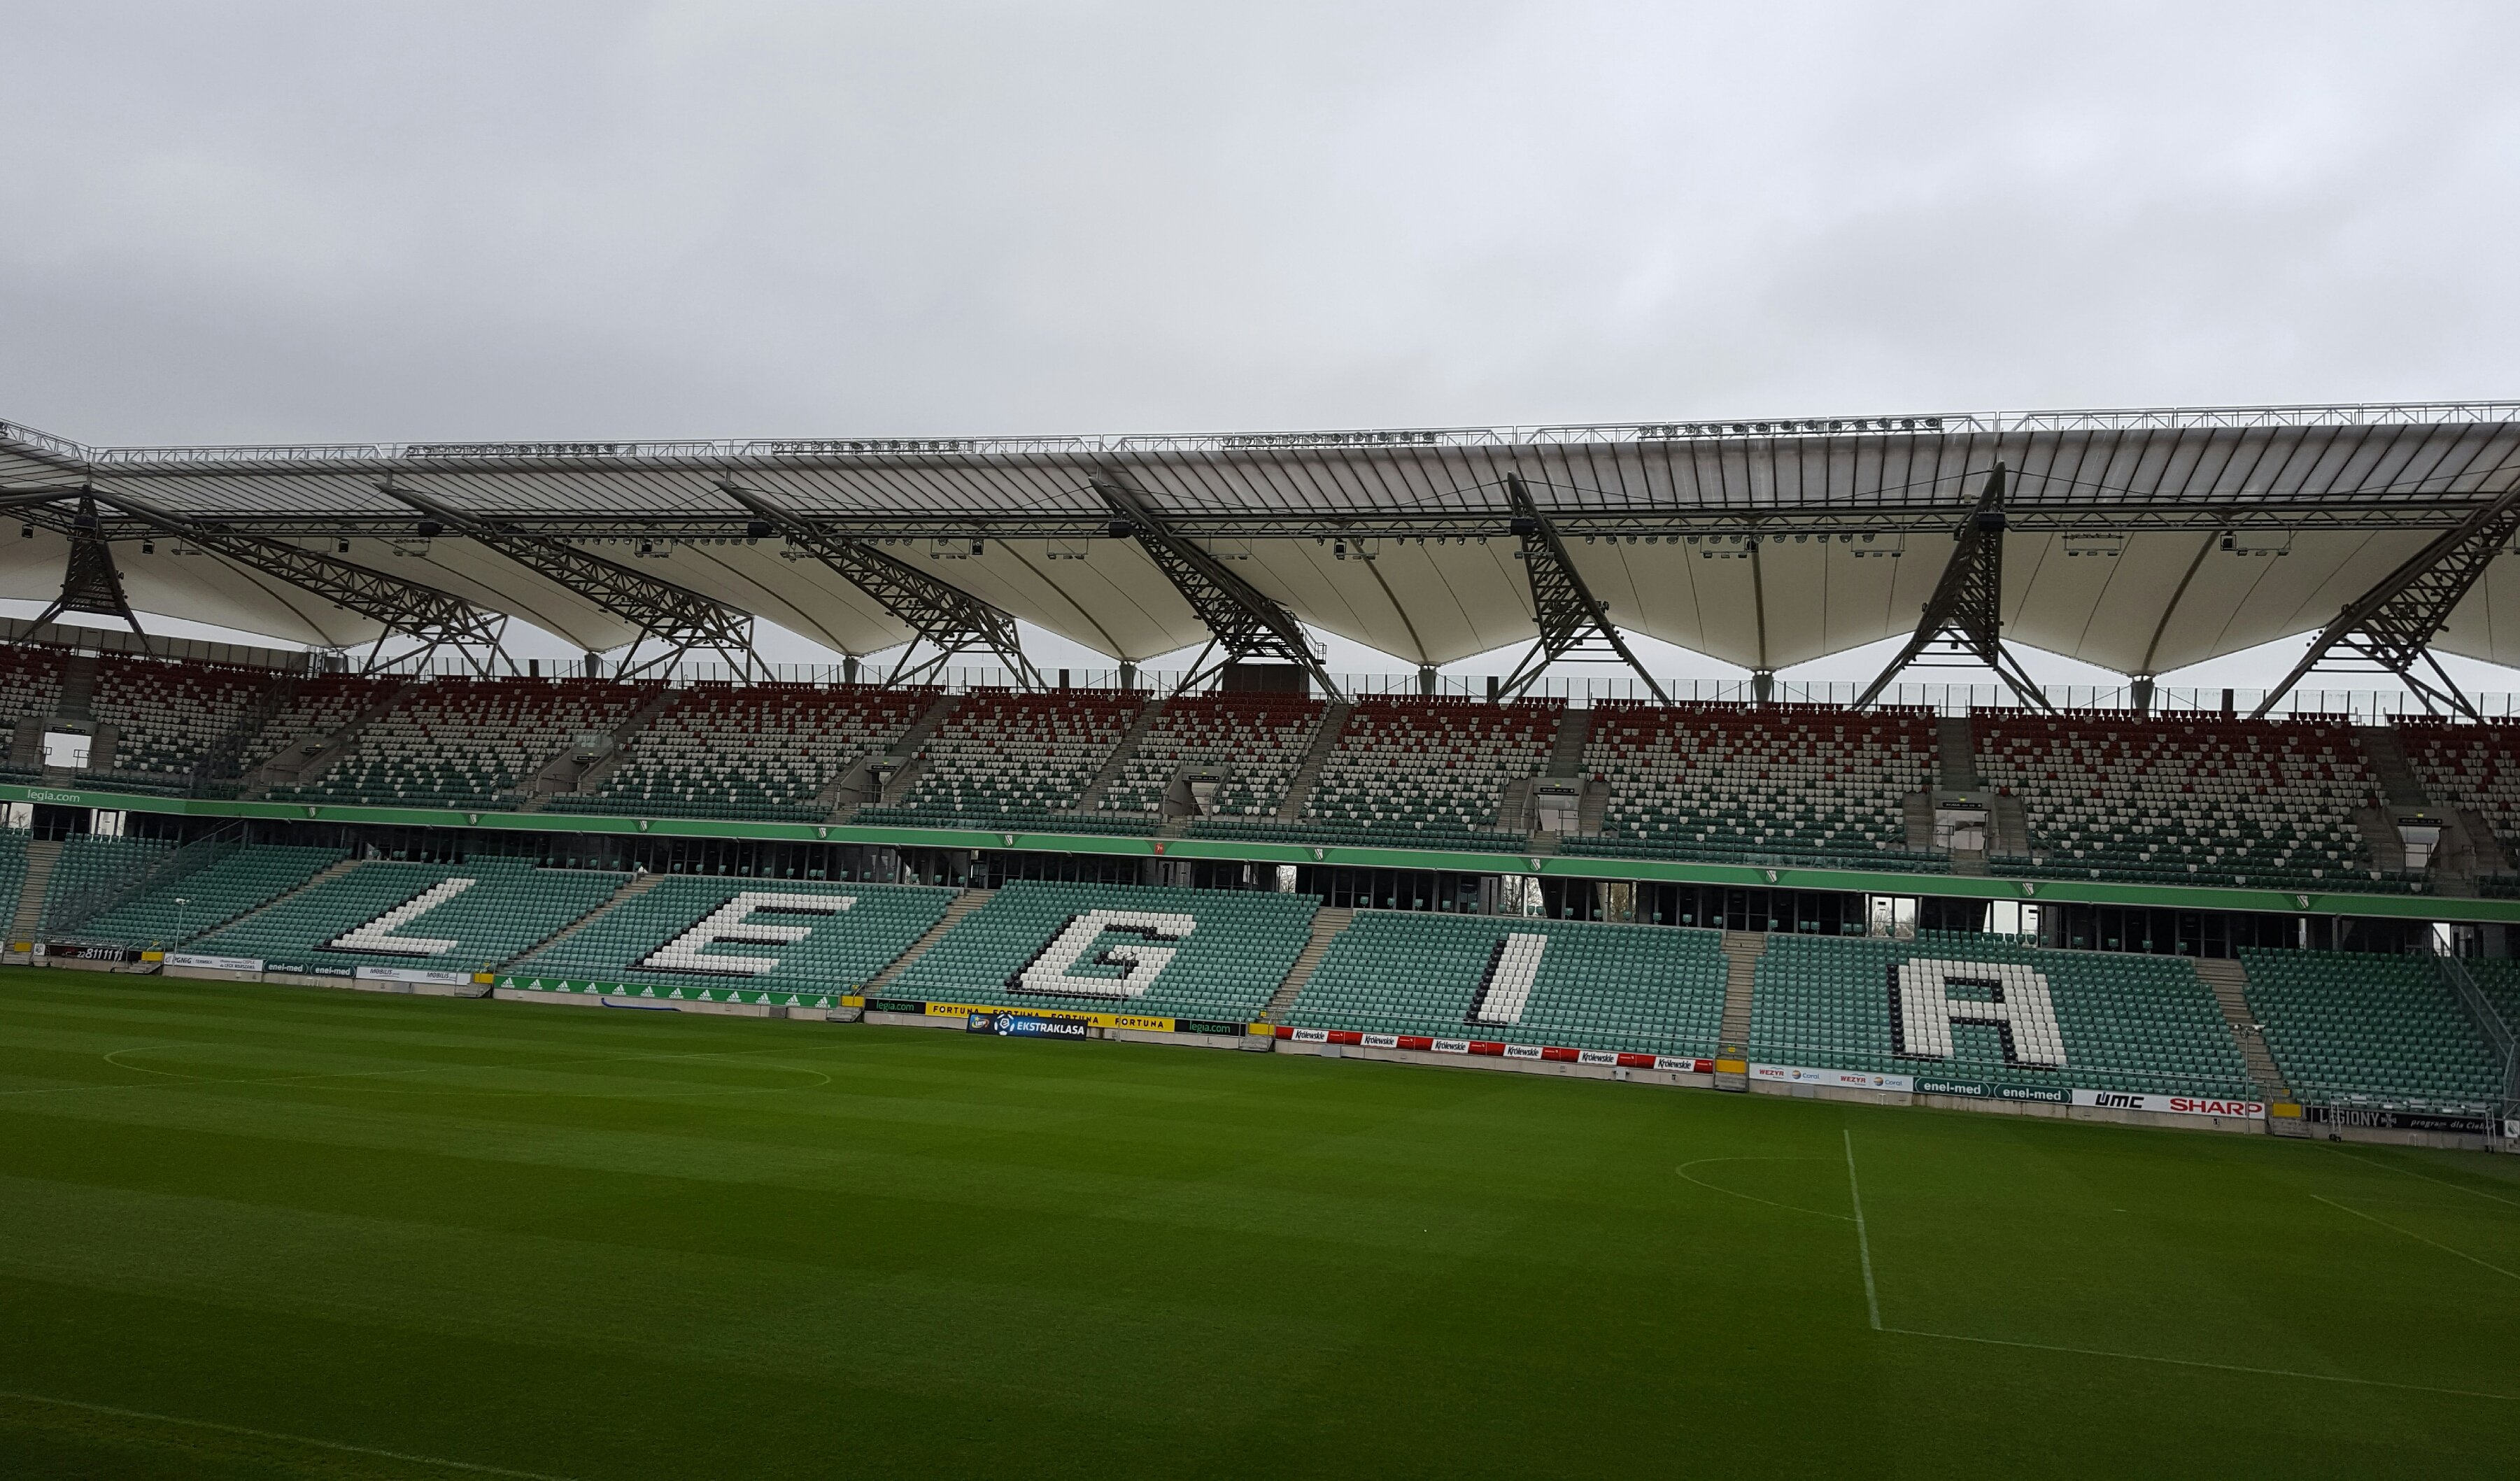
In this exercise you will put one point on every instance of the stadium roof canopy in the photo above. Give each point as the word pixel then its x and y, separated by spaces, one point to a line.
pixel 2140 541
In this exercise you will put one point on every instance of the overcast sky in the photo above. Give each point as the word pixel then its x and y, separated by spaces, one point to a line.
pixel 249 222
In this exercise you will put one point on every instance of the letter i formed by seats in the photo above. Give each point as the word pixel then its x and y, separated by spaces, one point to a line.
pixel 1506 986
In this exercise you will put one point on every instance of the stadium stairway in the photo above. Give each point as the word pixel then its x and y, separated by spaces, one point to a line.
pixel 278 769
pixel 1574 733
pixel 2230 982
pixel 564 773
pixel 2389 767
pixel 1325 741
pixel 2380 837
pixel 79 687
pixel 1328 923
pixel 1916 811
pixel 1741 952
pixel 907 763
pixel 631 888
pixel 30 913
pixel 963 904
pixel 2007 828
pixel 1118 760
pixel 1959 755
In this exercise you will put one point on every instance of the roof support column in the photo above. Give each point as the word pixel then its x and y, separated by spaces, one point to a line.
pixel 1563 607
pixel 2393 624
pixel 945 617
pixel 676 619
pixel 1248 622
pixel 1967 605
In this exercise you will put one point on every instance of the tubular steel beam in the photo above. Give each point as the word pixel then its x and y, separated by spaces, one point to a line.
pixel 2393 624
pixel 432 618
pixel 1967 605
pixel 675 617
pixel 1569 613
pixel 946 617
pixel 1245 622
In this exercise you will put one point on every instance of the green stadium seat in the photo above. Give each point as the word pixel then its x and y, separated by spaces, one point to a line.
pixel 2358 1028
pixel 642 939
pixel 509 907
pixel 1636 989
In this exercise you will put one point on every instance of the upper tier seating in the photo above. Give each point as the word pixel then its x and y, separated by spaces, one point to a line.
pixel 169 717
pixel 211 896
pixel 2465 765
pixel 509 907
pixel 2147 1024
pixel 1214 956
pixel 1407 770
pixel 842 934
pixel 470 743
pixel 1003 757
pixel 2363 1029
pixel 1800 784
pixel 1638 989
pixel 90 862
pixel 1257 740
pixel 757 752
pixel 2198 799
pixel 317 710
pixel 30 684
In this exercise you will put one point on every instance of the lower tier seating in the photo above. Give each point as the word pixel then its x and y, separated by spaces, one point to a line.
pixel 1521 980
pixel 93 862
pixel 13 874
pixel 716 932
pixel 2121 1023
pixel 211 896
pixel 442 916
pixel 2358 1028
pixel 1210 955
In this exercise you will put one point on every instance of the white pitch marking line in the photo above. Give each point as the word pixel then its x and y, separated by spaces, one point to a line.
pixel 2418 1238
pixel 2427 1177
pixel 1863 1239
pixel 468 1466
pixel 2227 1368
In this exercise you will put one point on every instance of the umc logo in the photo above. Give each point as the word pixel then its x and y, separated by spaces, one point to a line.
pixel 1922 1011
pixel 1149 942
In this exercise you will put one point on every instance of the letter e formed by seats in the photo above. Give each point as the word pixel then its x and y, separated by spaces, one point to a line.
pixel 733 921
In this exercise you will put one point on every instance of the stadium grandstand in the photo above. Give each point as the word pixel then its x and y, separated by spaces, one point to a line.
pixel 2140 898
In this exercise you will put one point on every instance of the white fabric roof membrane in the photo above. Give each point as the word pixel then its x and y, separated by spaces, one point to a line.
pixel 2140 541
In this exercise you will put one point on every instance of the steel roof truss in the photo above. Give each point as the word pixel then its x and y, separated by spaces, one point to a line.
pixel 946 617
pixel 1569 616
pixel 1244 621
pixel 2393 624
pixel 1967 605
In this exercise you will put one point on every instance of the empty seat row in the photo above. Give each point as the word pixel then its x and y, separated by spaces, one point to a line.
pixel 242 879
pixel 471 742
pixel 466 916
pixel 1013 758
pixel 2362 1028
pixel 765 751
pixel 1255 741
pixel 752 934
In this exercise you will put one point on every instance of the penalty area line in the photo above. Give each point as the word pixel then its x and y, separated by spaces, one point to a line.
pixel 2226 1368
pixel 467 1467
pixel 1863 1239
pixel 2418 1238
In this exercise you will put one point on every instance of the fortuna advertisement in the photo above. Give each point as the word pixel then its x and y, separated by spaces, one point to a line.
pixel 214 963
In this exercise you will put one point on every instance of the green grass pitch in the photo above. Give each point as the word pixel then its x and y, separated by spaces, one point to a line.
pixel 279 1232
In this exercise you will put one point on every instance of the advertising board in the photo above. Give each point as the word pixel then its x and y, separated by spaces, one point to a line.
pixel 214 963
pixel 2172 1105
pixel 1844 1079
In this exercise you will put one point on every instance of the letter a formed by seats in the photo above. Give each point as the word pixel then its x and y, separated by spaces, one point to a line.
pixel 1140 962
pixel 733 921
pixel 1922 1011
